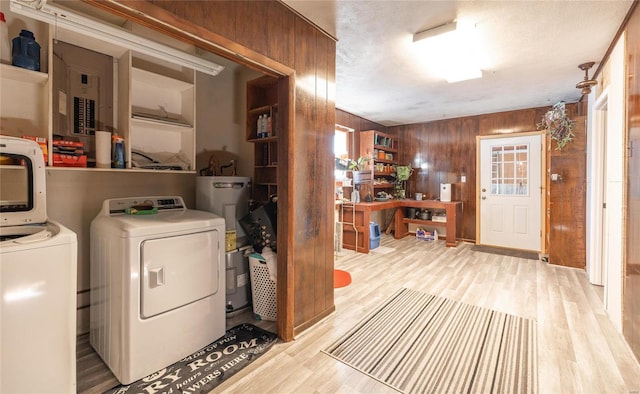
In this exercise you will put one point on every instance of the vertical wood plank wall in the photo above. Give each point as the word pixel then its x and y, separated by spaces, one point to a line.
pixel 444 150
pixel 314 129
pixel 269 36
pixel 631 294
pixel 567 200
pixel 447 148
pixel 358 124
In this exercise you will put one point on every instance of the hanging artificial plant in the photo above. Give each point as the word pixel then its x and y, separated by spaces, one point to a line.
pixel 558 125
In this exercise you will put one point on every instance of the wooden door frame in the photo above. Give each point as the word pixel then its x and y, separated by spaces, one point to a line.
pixel 166 23
pixel 596 174
pixel 544 176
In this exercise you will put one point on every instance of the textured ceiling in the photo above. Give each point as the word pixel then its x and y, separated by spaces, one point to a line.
pixel 532 51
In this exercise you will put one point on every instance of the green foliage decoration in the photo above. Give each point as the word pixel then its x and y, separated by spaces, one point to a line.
pixel 558 125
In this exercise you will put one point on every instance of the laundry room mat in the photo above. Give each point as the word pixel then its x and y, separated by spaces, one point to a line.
pixel 205 369
pixel 420 343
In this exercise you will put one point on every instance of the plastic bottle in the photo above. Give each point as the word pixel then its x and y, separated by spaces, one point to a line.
pixel 264 126
pixel 118 152
pixel 25 51
pixel 5 47
pixel 259 127
pixel 269 133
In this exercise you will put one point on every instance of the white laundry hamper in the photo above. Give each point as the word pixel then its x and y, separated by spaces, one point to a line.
pixel 263 288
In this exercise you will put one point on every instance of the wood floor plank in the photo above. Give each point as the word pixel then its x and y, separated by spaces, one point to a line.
pixel 579 350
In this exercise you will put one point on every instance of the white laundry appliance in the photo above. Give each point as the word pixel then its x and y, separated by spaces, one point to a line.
pixel 157 283
pixel 38 269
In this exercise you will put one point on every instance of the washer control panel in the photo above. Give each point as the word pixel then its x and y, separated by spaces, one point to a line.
pixel 119 206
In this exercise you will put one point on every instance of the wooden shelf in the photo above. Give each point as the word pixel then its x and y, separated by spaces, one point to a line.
pixel 424 222
pixel 385 148
pixel 386 162
pixel 266 139
pixel 262 98
pixel 262 110
pixel 369 146
pixel 382 185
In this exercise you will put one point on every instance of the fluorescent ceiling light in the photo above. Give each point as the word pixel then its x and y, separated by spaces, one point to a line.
pixel 436 31
pixel 449 52
pixel 98 30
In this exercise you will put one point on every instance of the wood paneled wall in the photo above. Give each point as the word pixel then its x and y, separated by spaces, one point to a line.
pixel 567 200
pixel 444 150
pixel 268 36
pixel 631 301
pixel 358 124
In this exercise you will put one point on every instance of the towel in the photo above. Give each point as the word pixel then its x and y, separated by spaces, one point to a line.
pixel 272 262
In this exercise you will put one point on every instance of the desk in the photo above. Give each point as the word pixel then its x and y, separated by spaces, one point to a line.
pixel 362 213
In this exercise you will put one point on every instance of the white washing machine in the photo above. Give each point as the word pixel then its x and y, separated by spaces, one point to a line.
pixel 157 283
pixel 38 269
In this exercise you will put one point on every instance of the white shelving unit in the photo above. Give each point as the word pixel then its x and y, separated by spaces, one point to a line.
pixel 25 94
pixel 154 98
pixel 162 109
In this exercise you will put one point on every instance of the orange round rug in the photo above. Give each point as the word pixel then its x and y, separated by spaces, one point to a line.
pixel 341 278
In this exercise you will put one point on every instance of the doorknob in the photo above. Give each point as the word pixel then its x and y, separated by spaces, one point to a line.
pixel 484 198
pixel 484 190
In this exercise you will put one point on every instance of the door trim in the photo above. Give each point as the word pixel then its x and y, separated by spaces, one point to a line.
pixel 543 184
pixel 596 174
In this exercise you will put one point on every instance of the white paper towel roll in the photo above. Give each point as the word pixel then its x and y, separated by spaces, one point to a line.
pixel 103 149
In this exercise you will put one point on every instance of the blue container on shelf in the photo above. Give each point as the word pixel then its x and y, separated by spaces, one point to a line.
pixel 374 235
pixel 25 51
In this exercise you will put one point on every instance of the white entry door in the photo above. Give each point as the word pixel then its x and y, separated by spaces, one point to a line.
pixel 510 192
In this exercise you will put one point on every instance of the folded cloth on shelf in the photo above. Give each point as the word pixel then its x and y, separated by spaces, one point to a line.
pixel 160 160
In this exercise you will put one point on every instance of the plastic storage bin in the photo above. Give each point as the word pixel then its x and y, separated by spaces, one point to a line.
pixel 374 235
pixel 263 289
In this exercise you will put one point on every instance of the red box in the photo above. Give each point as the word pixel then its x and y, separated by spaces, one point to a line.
pixel 61 160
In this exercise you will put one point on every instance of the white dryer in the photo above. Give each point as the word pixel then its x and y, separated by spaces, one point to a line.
pixel 157 283
pixel 38 269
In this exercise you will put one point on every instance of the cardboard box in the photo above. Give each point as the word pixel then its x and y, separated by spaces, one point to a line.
pixel 42 142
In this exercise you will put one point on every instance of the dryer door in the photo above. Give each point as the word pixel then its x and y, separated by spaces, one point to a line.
pixel 178 270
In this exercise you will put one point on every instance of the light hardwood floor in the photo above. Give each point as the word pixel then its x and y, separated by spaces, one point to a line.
pixel 579 350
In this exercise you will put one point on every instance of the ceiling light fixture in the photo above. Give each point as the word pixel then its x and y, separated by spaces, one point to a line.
pixel 435 31
pixel 449 52
pixel 587 83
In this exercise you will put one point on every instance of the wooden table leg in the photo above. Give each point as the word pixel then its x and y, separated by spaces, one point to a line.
pixel 401 228
pixel 451 226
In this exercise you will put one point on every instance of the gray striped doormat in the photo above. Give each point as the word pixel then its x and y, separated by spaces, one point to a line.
pixel 420 343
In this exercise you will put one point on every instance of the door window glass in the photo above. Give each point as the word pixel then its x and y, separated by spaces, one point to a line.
pixel 510 170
